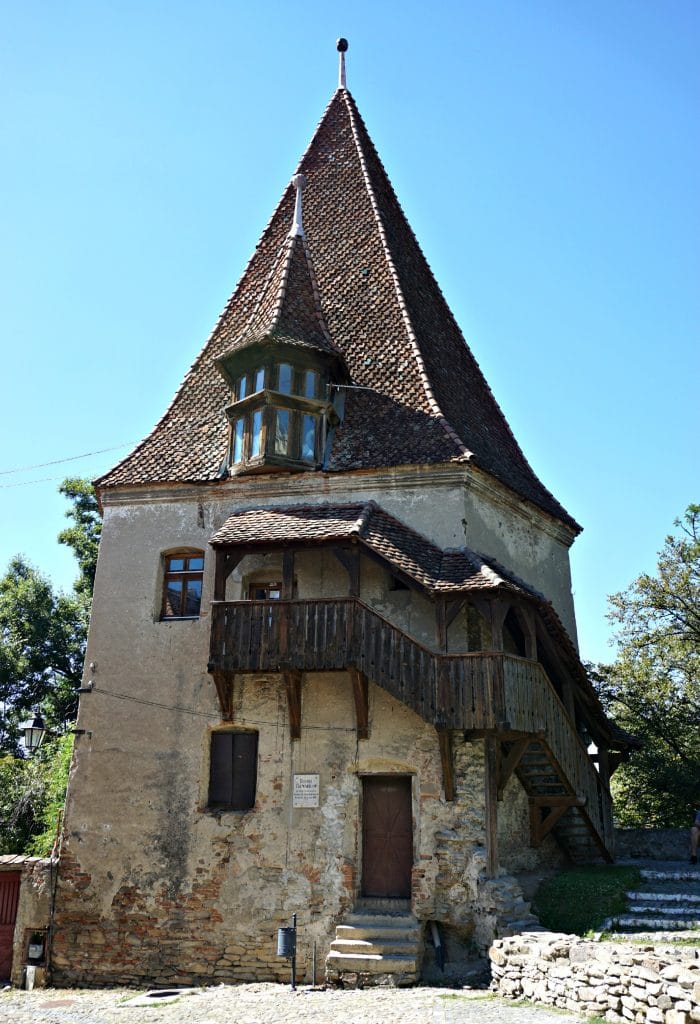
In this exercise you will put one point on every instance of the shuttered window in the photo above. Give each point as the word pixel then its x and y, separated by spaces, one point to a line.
pixel 233 770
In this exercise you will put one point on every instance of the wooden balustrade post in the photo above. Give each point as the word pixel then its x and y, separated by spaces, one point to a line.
pixel 491 803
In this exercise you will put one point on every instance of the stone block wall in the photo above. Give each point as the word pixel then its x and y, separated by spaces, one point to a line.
pixel 654 843
pixel 649 984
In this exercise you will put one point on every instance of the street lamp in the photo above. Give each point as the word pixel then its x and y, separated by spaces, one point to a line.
pixel 34 732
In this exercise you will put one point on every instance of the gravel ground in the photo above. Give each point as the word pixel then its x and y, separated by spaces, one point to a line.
pixel 253 1004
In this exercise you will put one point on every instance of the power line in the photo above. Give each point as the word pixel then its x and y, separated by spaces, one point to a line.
pixel 70 458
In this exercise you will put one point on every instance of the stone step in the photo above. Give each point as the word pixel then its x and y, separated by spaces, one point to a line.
pixel 359 920
pixel 382 904
pixel 378 933
pixel 371 963
pixel 690 874
pixel 662 910
pixel 367 946
pixel 664 897
pixel 628 922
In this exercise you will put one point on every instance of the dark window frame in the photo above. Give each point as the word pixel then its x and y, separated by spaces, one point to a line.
pixel 185 575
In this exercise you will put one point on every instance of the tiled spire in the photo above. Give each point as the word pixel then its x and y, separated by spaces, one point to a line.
pixel 419 396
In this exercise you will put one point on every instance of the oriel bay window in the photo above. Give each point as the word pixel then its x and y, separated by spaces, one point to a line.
pixel 277 417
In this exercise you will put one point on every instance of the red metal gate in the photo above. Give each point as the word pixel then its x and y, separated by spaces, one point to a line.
pixel 9 898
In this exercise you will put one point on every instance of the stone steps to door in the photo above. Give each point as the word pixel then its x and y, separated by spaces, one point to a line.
pixel 369 947
pixel 367 931
pixel 375 948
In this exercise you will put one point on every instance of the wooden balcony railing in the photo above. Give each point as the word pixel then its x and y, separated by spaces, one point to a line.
pixel 487 690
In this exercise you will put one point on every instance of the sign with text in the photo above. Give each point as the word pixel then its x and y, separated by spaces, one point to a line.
pixel 306 790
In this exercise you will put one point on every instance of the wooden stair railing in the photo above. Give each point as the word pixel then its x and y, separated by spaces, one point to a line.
pixel 484 691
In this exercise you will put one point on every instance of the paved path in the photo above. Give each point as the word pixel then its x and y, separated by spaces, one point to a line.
pixel 277 1004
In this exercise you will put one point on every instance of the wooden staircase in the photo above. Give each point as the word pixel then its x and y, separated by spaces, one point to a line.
pixel 486 693
pixel 379 943
pixel 555 806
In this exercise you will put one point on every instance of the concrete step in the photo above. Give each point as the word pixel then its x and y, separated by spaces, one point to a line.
pixel 395 921
pixel 371 963
pixel 366 946
pixel 377 933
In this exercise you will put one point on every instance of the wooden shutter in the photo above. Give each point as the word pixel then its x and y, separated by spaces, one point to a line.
pixel 233 770
pixel 245 762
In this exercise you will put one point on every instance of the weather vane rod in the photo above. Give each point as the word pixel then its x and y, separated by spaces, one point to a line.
pixel 341 46
pixel 297 225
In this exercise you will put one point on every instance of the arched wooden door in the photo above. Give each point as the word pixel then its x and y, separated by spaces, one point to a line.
pixel 9 898
pixel 387 836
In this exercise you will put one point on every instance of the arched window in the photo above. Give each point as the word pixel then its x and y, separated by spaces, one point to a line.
pixel 182 584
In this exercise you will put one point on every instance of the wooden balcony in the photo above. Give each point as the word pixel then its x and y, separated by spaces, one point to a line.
pixel 484 692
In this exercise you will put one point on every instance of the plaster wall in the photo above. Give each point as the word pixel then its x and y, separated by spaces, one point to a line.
pixel 154 886
pixel 452 506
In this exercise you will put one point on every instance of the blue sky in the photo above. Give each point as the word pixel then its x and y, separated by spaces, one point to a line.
pixel 546 154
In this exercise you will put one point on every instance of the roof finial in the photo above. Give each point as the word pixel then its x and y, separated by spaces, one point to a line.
pixel 341 46
pixel 297 228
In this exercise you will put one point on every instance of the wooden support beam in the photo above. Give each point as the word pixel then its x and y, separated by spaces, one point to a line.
pixel 226 562
pixel 441 623
pixel 292 684
pixel 491 804
pixel 453 610
pixel 224 690
pixel 349 558
pixel 360 692
pixel 559 800
pixel 616 759
pixel 526 617
pixel 543 826
pixel 510 762
pixel 287 575
pixel 448 763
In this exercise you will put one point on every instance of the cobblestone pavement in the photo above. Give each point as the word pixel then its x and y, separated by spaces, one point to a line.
pixel 258 1003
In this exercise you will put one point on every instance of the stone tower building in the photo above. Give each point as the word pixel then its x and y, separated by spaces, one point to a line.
pixel 332 658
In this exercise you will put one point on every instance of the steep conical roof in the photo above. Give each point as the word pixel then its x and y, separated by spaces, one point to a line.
pixel 288 310
pixel 421 397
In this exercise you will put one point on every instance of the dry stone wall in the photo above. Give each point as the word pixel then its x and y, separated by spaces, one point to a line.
pixel 649 984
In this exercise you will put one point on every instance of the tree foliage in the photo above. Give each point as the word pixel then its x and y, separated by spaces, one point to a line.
pixel 653 688
pixel 43 633
pixel 32 792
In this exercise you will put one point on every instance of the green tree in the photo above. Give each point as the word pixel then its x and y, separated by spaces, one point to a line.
pixel 84 534
pixel 42 645
pixel 42 648
pixel 653 688
pixel 32 793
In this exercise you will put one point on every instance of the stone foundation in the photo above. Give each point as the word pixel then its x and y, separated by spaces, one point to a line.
pixel 650 984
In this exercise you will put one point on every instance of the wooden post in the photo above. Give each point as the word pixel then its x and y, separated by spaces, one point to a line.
pixel 360 691
pixel 349 558
pixel 292 684
pixel 499 610
pixel 287 575
pixel 491 803
pixel 447 760
pixel 441 623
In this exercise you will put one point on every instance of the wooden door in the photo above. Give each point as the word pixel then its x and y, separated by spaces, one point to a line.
pixel 387 836
pixel 9 898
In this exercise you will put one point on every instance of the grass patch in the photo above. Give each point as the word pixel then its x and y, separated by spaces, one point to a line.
pixel 579 900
